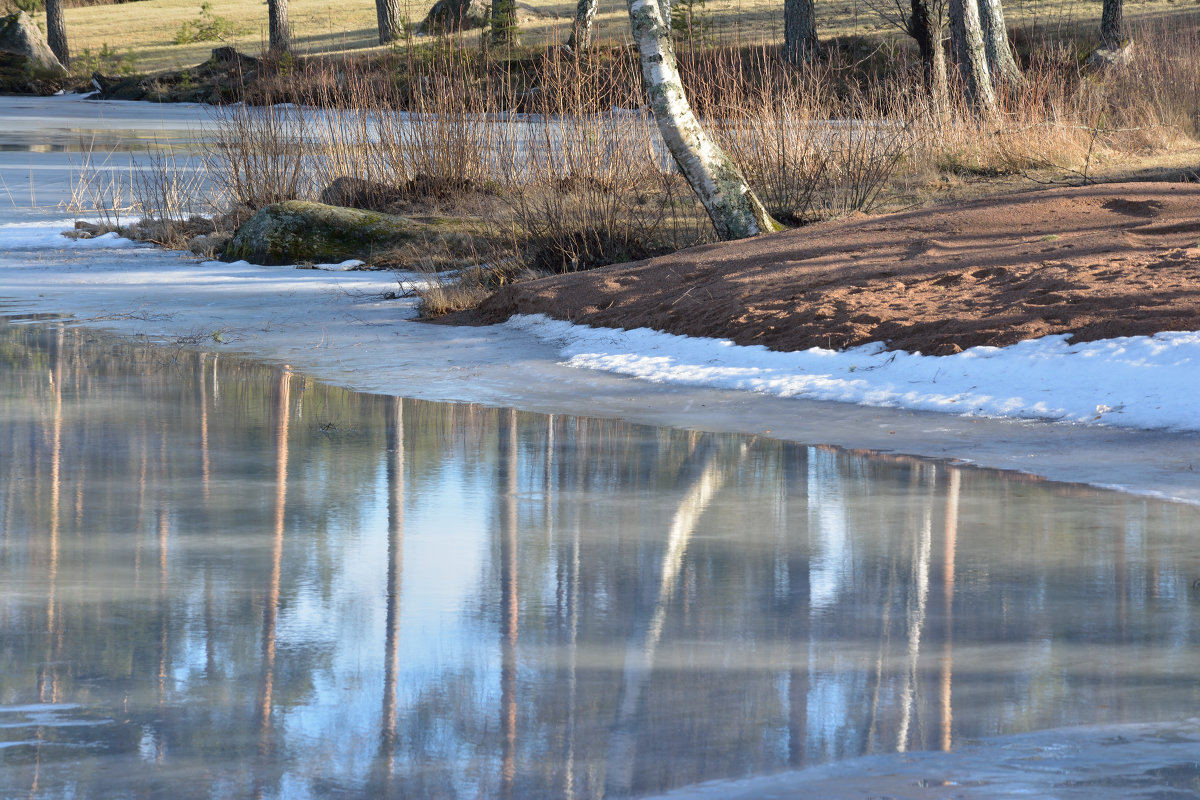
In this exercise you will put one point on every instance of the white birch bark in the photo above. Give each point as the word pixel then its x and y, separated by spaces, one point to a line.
pixel 966 38
pixel 735 211
pixel 585 20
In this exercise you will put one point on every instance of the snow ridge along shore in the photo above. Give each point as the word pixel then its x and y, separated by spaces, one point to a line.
pixel 1132 381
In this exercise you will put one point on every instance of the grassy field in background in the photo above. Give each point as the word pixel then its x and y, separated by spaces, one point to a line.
pixel 148 28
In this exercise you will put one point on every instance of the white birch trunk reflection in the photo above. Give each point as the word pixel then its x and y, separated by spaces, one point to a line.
pixel 923 546
pixel 395 574
pixel 509 606
pixel 271 603
pixel 948 558
pixel 640 649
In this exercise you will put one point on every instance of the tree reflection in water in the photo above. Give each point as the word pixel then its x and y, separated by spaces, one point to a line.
pixel 367 596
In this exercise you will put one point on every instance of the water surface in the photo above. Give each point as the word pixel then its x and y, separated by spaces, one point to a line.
pixel 224 579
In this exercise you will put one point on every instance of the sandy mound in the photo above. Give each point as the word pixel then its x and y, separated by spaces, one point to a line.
pixel 1100 261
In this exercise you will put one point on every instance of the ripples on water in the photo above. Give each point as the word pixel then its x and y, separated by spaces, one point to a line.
pixel 222 579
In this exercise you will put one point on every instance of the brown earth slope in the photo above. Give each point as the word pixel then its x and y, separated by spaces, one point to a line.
pixel 1099 261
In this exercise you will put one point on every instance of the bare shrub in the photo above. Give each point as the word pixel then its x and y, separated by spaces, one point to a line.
pixel 260 154
pixel 589 183
pixel 176 200
pixel 811 142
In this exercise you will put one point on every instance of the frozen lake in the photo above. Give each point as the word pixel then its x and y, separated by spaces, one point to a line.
pixel 223 577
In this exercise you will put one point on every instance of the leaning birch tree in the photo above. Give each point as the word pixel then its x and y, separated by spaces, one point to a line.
pixel 56 32
pixel 735 211
pixel 966 39
pixel 1001 64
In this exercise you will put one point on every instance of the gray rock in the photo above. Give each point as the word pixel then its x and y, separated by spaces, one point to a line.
pixel 1109 57
pixel 26 61
pixel 448 16
pixel 301 231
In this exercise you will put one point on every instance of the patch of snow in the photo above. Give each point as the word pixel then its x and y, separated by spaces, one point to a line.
pixel 52 234
pixel 343 266
pixel 1136 381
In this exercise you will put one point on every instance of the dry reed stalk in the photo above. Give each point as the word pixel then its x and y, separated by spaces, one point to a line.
pixel 100 188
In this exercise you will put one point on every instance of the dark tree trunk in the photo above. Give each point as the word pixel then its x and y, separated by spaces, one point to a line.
pixel 966 38
pixel 928 26
pixel 56 32
pixel 279 35
pixel 1003 67
pixel 1112 24
pixel 799 30
pixel 391 26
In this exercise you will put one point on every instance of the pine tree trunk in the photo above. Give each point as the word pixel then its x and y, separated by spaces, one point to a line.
pixel 278 34
pixel 504 23
pixel 966 38
pixel 581 31
pixel 735 211
pixel 56 32
pixel 928 26
pixel 799 30
pixel 1112 24
pixel 1003 67
pixel 391 26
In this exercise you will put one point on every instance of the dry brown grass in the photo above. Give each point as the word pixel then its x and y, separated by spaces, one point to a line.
pixel 444 293
pixel 319 27
pixel 590 184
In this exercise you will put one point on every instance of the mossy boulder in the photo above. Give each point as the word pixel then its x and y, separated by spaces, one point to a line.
pixel 451 16
pixel 27 65
pixel 301 231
